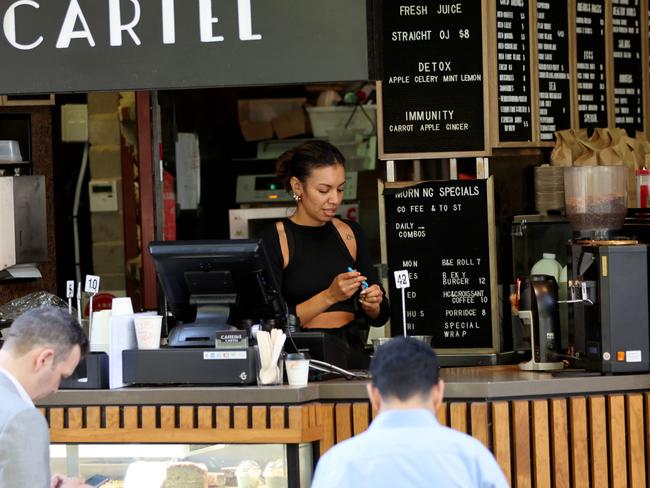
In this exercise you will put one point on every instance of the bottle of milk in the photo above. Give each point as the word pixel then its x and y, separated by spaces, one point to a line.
pixel 547 266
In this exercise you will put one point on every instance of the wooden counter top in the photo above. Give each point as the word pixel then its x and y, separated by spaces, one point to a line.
pixel 470 383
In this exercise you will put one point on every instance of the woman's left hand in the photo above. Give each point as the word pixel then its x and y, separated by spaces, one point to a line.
pixel 370 300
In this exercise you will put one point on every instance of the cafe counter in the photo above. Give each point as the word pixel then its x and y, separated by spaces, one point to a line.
pixel 545 430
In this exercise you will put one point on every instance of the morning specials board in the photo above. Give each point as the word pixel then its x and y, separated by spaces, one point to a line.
pixel 628 77
pixel 513 71
pixel 553 66
pixel 591 55
pixel 442 233
pixel 432 92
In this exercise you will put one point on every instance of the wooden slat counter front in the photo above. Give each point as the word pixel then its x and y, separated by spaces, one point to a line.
pixel 544 431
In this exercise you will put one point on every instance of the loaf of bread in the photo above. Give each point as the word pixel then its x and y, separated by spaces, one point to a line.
pixel 166 475
pixel 186 475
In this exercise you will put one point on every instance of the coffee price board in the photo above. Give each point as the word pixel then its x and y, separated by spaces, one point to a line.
pixel 590 47
pixel 513 71
pixel 442 233
pixel 432 92
pixel 628 77
pixel 553 68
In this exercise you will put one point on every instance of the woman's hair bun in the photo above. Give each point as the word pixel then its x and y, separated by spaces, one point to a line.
pixel 301 160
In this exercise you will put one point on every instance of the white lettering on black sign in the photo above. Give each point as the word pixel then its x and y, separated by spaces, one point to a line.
pixel 75 26
pixel 432 93
pixel 513 71
pixel 590 39
pixel 438 232
pixel 626 26
pixel 553 68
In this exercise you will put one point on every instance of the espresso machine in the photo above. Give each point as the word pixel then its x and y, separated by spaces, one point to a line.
pixel 609 328
pixel 539 311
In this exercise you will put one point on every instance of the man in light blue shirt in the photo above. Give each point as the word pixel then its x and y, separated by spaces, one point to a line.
pixel 405 446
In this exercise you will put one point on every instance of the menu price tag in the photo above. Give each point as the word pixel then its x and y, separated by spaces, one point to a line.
pixel 439 244
pixel 402 279
pixel 92 284
pixel 69 289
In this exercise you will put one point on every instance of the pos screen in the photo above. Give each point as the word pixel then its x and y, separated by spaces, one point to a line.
pixel 197 275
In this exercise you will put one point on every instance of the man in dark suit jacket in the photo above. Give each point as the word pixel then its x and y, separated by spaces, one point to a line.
pixel 43 346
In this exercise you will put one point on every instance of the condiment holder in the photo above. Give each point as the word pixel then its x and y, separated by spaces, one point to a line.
pixel 269 357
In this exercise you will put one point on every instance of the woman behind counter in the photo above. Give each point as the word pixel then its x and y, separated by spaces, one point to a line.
pixel 311 252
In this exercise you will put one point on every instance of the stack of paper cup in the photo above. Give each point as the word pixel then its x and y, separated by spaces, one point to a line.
pixel 99 337
pixel 121 306
pixel 147 331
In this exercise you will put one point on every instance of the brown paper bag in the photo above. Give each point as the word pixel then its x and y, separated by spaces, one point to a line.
pixel 642 150
pixel 589 156
pixel 581 134
pixel 617 134
pixel 567 148
pixel 601 138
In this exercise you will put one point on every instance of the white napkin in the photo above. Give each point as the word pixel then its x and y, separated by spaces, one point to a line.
pixel 121 338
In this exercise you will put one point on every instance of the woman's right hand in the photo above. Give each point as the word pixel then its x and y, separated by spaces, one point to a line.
pixel 344 286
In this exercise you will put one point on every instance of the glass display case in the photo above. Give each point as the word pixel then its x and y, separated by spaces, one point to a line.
pixel 181 465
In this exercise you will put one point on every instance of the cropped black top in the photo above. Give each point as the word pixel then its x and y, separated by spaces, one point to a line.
pixel 316 256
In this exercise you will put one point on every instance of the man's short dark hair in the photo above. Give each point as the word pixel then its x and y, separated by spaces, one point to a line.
pixel 403 368
pixel 47 327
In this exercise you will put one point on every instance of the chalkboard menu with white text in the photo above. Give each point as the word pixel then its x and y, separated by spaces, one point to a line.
pixel 439 231
pixel 513 71
pixel 432 90
pixel 553 68
pixel 628 79
pixel 590 40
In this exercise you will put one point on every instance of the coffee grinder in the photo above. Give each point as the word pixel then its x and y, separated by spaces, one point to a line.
pixel 608 275
pixel 539 311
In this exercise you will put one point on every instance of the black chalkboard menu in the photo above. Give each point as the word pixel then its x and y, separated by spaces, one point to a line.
pixel 628 78
pixel 513 71
pixel 432 92
pixel 439 231
pixel 590 47
pixel 553 68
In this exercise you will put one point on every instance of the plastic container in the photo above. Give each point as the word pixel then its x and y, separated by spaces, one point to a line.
pixel 10 152
pixel 563 275
pixel 643 188
pixel 297 367
pixel 547 266
pixel 326 121
pixel 596 199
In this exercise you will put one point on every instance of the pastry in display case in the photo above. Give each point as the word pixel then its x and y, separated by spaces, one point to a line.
pixel 185 466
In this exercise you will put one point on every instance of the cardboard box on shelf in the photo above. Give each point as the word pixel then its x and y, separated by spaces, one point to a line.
pixel 291 124
pixel 256 116
pixel 255 131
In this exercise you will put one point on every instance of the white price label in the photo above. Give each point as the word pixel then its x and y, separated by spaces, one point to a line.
pixel 69 289
pixel 402 279
pixel 92 284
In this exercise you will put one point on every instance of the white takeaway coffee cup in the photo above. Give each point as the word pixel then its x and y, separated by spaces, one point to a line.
pixel 297 366
pixel 147 331
pixel 121 306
